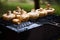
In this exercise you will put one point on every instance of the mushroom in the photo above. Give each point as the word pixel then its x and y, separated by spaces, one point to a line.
pixel 17 20
pixel 42 12
pixel 8 16
pixel 16 13
pixel 33 14
pixel 25 17
pixel 49 9
pixel 18 9
pixel 23 11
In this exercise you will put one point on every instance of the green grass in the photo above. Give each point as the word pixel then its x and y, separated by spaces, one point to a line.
pixel 57 9
pixel 26 6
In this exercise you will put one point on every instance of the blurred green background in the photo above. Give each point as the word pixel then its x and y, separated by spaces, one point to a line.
pixel 27 5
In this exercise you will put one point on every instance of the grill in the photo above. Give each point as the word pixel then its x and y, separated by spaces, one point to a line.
pixel 50 19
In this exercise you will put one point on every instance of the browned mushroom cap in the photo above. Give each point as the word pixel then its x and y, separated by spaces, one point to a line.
pixel 41 9
pixel 33 10
pixel 14 11
pixel 9 11
pixel 23 11
pixel 18 7
pixel 48 5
